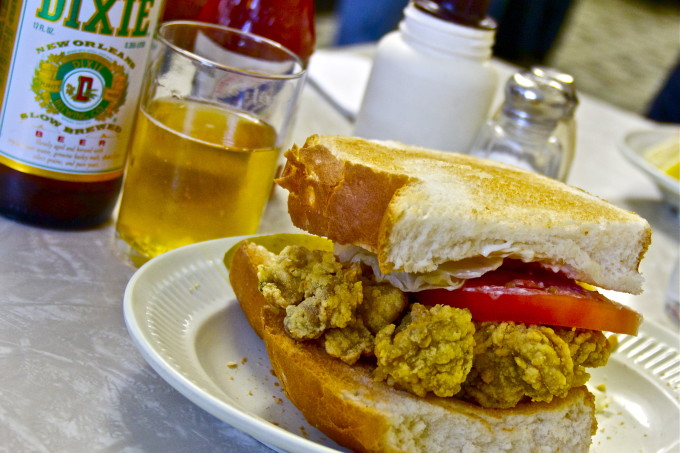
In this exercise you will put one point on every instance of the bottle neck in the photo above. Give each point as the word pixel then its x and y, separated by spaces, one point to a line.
pixel 428 31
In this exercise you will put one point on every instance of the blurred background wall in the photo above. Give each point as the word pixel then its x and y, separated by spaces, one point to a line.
pixel 620 51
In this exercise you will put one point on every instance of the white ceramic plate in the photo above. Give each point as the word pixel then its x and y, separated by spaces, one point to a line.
pixel 183 317
pixel 634 146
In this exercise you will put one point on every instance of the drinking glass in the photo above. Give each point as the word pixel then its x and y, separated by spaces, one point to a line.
pixel 215 110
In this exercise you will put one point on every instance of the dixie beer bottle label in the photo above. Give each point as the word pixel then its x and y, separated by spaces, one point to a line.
pixel 71 72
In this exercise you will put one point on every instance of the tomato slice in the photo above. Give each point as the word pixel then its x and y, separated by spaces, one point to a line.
pixel 529 294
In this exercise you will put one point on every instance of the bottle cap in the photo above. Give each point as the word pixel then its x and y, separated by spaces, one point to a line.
pixel 566 81
pixel 540 94
pixel 472 13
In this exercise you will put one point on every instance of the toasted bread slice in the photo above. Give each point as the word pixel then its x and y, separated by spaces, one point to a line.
pixel 351 407
pixel 416 209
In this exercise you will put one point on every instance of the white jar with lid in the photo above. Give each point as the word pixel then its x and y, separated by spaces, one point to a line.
pixel 431 83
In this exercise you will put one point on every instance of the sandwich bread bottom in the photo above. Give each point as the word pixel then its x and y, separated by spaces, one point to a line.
pixel 355 410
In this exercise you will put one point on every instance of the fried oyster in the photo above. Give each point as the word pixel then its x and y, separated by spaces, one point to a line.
pixel 424 349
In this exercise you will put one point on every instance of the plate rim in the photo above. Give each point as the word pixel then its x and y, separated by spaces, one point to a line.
pixel 258 428
pixel 261 429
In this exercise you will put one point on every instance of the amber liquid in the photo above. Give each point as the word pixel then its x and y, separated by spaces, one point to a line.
pixel 195 172
pixel 53 203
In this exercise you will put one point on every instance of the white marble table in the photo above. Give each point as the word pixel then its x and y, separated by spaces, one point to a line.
pixel 71 379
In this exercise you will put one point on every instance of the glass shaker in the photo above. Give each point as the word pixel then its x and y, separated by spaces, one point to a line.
pixel 534 127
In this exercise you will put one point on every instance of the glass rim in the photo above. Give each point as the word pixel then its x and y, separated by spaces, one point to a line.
pixel 221 66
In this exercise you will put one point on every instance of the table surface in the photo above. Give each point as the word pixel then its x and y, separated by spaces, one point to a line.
pixel 71 378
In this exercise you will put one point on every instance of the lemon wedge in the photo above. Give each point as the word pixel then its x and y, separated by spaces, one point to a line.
pixel 666 157
pixel 674 170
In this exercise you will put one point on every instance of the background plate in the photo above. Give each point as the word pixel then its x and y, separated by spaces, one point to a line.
pixel 182 315
pixel 634 146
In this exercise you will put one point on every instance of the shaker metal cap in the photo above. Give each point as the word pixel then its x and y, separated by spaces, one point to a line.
pixel 540 94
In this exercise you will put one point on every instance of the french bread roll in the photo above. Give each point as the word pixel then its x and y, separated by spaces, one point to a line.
pixel 417 209
pixel 357 411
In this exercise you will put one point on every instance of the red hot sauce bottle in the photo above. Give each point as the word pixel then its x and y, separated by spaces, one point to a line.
pixel 288 22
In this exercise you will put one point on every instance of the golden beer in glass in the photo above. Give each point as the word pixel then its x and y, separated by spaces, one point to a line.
pixel 206 144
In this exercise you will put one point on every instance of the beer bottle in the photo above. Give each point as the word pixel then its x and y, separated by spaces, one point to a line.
pixel 70 75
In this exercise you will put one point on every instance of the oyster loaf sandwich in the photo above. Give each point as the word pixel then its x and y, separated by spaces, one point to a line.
pixel 443 302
